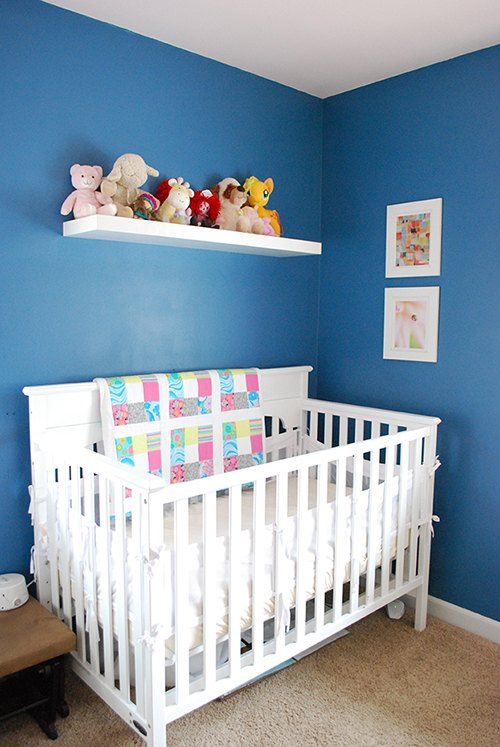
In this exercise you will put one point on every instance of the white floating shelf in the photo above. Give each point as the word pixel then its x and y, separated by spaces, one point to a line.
pixel 111 228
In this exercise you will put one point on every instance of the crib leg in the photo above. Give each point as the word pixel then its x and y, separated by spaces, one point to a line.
pixel 157 732
pixel 421 608
pixel 422 593
pixel 157 737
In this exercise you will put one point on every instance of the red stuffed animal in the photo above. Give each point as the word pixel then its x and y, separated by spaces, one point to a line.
pixel 205 207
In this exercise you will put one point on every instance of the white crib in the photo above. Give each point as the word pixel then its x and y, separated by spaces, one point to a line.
pixel 344 505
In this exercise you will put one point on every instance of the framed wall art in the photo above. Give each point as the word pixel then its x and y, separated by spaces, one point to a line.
pixel 413 239
pixel 411 317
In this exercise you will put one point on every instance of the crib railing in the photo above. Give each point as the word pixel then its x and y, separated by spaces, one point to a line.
pixel 112 590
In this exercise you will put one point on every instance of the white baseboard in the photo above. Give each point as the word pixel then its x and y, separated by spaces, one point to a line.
pixel 486 627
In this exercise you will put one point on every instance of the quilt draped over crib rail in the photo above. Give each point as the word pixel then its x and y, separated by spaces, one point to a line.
pixel 184 426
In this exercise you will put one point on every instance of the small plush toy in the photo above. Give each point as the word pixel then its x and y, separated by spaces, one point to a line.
pixel 145 206
pixel 232 200
pixel 205 207
pixel 129 172
pixel 258 194
pixel 235 214
pixel 86 199
pixel 175 196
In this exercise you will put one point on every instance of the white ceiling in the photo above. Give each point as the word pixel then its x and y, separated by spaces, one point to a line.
pixel 323 47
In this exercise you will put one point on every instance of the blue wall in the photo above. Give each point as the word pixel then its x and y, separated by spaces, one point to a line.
pixel 430 133
pixel 71 310
pixel 74 89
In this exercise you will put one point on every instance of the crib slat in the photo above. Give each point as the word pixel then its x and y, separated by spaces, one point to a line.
pixel 209 575
pixel 155 615
pixel 76 525
pixel 375 430
pixel 234 579
pixel 401 528
pixel 275 433
pixel 359 430
pixel 321 548
pixel 328 429
pixel 416 488
pixel 137 594
pixel 65 576
pixel 181 601
pixel 259 504
pixel 281 592
pixel 372 525
pixel 356 531
pixel 121 578
pixel 390 457
pixel 53 540
pixel 313 426
pixel 106 593
pixel 89 505
pixel 339 557
pixel 300 594
pixel 343 430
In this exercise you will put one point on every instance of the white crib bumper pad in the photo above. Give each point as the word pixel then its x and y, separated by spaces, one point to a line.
pixel 286 536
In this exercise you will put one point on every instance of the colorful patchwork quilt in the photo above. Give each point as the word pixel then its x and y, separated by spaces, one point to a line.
pixel 184 426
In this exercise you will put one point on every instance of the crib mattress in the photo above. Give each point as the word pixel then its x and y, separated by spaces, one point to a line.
pixel 194 556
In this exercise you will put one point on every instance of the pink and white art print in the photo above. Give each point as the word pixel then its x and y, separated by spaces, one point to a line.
pixel 411 324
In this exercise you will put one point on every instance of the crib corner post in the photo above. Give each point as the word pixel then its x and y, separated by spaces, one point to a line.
pixel 424 559
pixel 41 563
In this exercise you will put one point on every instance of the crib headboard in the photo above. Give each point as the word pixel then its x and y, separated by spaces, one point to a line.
pixel 72 411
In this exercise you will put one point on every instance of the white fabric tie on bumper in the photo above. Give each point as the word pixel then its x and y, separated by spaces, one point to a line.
pixel 91 622
pixel 435 519
pixel 40 551
pixel 156 635
pixel 153 562
pixel 31 507
pixel 435 466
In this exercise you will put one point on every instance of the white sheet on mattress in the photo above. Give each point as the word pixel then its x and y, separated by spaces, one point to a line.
pixel 194 556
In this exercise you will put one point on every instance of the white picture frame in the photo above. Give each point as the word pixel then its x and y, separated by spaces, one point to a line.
pixel 411 320
pixel 422 258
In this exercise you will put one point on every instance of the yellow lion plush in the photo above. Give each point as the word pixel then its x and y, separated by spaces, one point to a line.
pixel 258 196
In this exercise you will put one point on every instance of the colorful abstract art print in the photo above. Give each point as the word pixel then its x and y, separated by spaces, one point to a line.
pixel 413 241
pixel 411 323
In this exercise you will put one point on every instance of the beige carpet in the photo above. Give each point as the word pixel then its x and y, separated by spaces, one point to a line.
pixel 384 684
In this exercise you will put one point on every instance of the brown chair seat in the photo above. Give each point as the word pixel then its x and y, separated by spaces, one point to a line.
pixel 30 635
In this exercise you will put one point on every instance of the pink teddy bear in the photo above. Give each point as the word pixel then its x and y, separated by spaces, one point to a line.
pixel 86 200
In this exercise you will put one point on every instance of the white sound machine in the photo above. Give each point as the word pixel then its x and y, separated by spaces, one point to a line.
pixel 13 591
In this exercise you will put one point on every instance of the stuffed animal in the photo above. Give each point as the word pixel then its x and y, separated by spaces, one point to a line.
pixel 205 207
pixel 145 206
pixel 175 196
pixel 232 200
pixel 258 194
pixel 86 200
pixel 235 214
pixel 129 172
pixel 267 229
pixel 251 223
